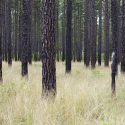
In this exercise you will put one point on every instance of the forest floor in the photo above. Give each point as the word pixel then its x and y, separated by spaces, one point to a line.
pixel 83 97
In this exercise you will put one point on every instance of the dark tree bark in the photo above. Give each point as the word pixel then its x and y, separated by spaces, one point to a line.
pixel 20 31
pixel 93 24
pixel 39 36
pixel 57 30
pixel 100 34
pixel 16 30
pixel 35 32
pixel 74 35
pixel 1 6
pixel 90 33
pixel 114 19
pixel 119 30
pixel 64 32
pixel 30 34
pixel 123 38
pixel 3 30
pixel 6 31
pixel 106 33
pixel 69 37
pixel 79 46
pixel 81 31
pixel 87 34
pixel 48 48
pixel 9 46
pixel 25 35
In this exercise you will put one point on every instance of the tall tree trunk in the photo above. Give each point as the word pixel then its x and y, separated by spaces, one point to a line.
pixel 25 35
pixel 87 34
pixel 74 36
pixel 93 33
pixel 6 31
pixel 9 46
pixel 123 38
pixel 48 48
pixel 20 31
pixel 79 49
pixel 64 32
pixel 114 17
pixel 57 30
pixel 35 30
pixel 39 33
pixel 30 34
pixel 100 34
pixel 1 6
pixel 3 30
pixel 119 31
pixel 68 36
pixel 16 29
pixel 106 33
pixel 81 32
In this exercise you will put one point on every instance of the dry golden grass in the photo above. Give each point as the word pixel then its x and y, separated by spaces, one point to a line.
pixel 83 97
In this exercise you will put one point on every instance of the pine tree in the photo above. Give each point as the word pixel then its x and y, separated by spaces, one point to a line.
pixel 93 24
pixel 87 33
pixel 119 31
pixel 123 38
pixel 1 6
pixel 79 45
pixel 48 48
pixel 15 29
pixel 69 36
pixel 9 46
pixel 106 32
pixel 20 31
pixel 114 20
pixel 30 34
pixel 25 35
pixel 74 33
pixel 57 31
pixel 6 30
pixel 100 34
pixel 64 32
pixel 35 30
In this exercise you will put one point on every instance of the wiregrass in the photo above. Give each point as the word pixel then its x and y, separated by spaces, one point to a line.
pixel 83 97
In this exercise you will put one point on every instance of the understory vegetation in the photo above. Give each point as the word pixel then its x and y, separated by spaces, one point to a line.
pixel 83 97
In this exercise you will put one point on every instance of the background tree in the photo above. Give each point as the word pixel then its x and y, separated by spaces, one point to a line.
pixel 74 31
pixel 123 38
pixel 26 14
pixel 20 31
pixel 106 33
pixel 93 25
pixel 114 20
pixel 6 29
pixel 79 44
pixel 64 31
pixel 30 34
pixel 69 36
pixel 15 27
pixel 119 30
pixel 8 33
pixel 1 6
pixel 100 34
pixel 57 31
pixel 87 33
